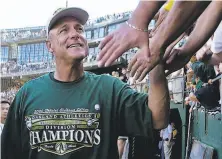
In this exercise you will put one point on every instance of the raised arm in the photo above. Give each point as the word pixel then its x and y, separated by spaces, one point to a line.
pixel 127 37
pixel 205 26
pixel 159 97
pixel 178 20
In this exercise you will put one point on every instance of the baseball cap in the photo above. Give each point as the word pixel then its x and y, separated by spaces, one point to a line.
pixel 77 13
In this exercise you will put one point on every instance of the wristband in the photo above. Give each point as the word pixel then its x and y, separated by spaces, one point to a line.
pixel 136 28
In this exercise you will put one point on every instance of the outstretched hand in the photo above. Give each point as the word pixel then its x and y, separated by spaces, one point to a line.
pixel 176 60
pixel 141 64
pixel 120 41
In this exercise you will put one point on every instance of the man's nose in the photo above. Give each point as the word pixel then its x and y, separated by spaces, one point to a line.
pixel 74 34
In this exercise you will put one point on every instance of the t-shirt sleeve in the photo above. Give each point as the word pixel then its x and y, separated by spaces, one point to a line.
pixel 134 116
pixel 11 146
pixel 216 46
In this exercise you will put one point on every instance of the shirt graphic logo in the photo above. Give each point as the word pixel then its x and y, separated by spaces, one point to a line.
pixel 60 131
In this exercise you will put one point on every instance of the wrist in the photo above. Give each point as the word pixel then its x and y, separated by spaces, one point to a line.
pixel 137 21
pixel 136 28
pixel 141 17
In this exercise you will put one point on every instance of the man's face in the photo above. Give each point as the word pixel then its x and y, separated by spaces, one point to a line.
pixel 67 41
pixel 4 110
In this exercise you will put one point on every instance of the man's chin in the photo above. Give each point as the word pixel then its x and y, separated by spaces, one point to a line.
pixel 78 58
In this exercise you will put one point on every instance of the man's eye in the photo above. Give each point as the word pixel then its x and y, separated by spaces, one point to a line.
pixel 63 30
pixel 80 29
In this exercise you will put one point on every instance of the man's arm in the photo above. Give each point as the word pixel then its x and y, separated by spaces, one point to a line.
pixel 159 97
pixel 144 13
pixel 205 27
pixel 127 37
pixel 180 18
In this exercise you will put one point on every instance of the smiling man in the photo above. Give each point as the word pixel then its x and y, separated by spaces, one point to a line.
pixel 70 113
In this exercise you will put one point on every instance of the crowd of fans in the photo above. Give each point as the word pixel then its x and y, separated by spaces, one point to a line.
pixel 10 35
pixel 13 67
pixel 22 34
pixel 10 93
pixel 108 18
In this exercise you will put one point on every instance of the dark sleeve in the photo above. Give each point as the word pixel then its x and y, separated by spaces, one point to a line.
pixel 135 117
pixel 11 135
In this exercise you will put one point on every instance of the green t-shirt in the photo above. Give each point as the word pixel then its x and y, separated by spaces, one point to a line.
pixel 50 119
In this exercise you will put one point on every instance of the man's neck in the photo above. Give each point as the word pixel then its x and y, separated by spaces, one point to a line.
pixel 69 73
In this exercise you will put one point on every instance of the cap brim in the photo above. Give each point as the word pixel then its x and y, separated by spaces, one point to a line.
pixel 77 13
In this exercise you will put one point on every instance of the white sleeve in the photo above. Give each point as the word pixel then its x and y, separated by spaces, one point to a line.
pixel 216 46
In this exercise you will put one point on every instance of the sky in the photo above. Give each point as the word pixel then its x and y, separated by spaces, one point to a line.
pixel 29 13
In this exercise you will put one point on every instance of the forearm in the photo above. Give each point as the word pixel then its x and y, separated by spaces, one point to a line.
pixel 179 19
pixel 159 97
pixel 205 27
pixel 144 13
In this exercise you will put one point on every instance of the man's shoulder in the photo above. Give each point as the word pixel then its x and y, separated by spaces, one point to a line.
pixel 35 81
pixel 101 77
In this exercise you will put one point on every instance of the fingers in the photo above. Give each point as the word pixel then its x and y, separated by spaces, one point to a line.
pixel 146 70
pixel 115 54
pixel 105 40
pixel 139 71
pixel 134 68
pixel 168 52
pixel 132 62
pixel 172 56
pixel 107 55
pixel 104 45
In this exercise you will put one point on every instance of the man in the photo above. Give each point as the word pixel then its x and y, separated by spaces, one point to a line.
pixel 213 56
pixel 5 104
pixel 123 147
pixel 70 113
pixel 166 135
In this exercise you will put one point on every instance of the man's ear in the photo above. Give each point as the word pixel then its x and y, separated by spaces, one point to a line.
pixel 49 46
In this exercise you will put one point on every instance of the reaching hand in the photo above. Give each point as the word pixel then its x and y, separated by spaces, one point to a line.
pixel 141 64
pixel 176 60
pixel 120 41
pixel 162 15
